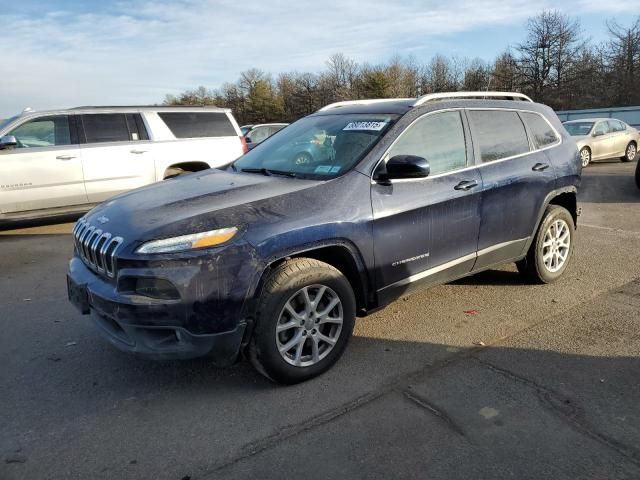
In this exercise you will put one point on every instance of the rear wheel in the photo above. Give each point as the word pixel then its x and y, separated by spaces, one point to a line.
pixel 585 156
pixel 305 317
pixel 552 247
pixel 630 152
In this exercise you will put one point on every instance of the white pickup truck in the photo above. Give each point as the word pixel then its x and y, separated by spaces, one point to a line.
pixel 66 161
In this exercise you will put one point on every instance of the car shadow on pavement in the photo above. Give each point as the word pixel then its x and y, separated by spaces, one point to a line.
pixel 48 222
pixel 398 407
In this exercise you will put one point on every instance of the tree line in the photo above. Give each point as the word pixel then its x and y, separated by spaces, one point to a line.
pixel 556 64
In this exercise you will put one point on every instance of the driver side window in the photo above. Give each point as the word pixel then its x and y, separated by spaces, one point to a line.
pixel 43 132
pixel 602 128
pixel 439 138
pixel 258 135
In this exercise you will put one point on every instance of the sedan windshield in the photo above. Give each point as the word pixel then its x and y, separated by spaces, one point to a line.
pixel 577 129
pixel 317 147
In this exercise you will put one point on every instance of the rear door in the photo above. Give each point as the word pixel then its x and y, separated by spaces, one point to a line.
pixel 426 230
pixel 117 155
pixel 45 169
pixel 516 174
pixel 620 137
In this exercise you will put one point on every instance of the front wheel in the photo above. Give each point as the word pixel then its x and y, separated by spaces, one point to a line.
pixel 552 247
pixel 305 317
pixel 585 157
pixel 630 153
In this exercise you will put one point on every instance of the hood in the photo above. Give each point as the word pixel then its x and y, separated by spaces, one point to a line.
pixel 191 203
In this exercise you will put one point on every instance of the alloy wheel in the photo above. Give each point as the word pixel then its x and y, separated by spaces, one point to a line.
pixel 585 157
pixel 631 152
pixel 556 245
pixel 309 325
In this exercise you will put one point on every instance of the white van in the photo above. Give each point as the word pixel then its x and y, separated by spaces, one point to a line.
pixel 66 161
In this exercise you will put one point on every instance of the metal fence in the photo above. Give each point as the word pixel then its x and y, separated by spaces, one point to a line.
pixel 629 115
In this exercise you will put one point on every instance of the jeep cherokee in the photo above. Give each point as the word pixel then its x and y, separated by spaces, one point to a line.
pixel 274 256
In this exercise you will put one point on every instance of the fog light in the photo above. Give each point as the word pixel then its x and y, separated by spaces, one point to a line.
pixel 156 288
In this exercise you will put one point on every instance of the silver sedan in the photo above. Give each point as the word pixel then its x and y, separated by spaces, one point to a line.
pixel 601 138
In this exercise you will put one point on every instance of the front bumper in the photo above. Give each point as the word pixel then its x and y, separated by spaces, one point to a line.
pixel 154 328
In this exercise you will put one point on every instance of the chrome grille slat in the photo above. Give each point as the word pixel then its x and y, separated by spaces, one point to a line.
pixel 96 248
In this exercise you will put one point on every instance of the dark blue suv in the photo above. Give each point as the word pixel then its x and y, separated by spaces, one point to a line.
pixel 275 257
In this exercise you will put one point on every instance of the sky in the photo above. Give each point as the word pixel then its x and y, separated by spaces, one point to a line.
pixel 62 53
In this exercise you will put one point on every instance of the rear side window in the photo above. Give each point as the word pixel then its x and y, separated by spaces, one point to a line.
pixel 439 138
pixel 542 133
pixel 616 126
pixel 498 134
pixel 137 130
pixel 198 124
pixel 105 127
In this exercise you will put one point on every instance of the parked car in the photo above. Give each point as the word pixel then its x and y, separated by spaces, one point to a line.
pixel 63 161
pixel 256 134
pixel 275 258
pixel 602 138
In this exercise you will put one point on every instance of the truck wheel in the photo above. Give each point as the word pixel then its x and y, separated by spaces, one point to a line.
pixel 304 319
pixel 629 153
pixel 552 247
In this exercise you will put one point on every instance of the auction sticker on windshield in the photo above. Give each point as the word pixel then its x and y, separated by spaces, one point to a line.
pixel 374 126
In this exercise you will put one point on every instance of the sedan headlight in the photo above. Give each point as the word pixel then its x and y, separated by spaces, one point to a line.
pixel 184 243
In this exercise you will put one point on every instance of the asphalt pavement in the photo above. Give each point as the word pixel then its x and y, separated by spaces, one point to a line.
pixel 538 381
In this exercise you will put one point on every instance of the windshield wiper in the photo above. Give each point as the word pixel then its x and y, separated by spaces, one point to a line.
pixel 268 172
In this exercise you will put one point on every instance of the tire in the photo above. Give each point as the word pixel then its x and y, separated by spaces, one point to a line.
pixel 284 288
pixel 535 267
pixel 174 172
pixel 630 152
pixel 585 156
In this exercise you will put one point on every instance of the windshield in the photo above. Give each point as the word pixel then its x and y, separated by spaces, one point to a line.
pixel 317 147
pixel 576 129
pixel 4 123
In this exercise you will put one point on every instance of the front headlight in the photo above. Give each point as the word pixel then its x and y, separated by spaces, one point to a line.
pixel 184 243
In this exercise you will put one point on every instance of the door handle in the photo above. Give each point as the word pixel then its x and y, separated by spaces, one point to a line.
pixel 466 185
pixel 138 152
pixel 65 157
pixel 540 167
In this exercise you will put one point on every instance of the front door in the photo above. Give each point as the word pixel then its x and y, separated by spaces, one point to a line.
pixel 44 170
pixel 426 230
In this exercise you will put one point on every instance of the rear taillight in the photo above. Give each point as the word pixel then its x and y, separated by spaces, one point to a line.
pixel 245 148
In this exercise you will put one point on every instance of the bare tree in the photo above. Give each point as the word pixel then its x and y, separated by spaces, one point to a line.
pixel 624 61
pixel 548 53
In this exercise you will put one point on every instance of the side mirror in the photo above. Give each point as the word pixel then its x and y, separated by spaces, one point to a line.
pixel 404 166
pixel 8 141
